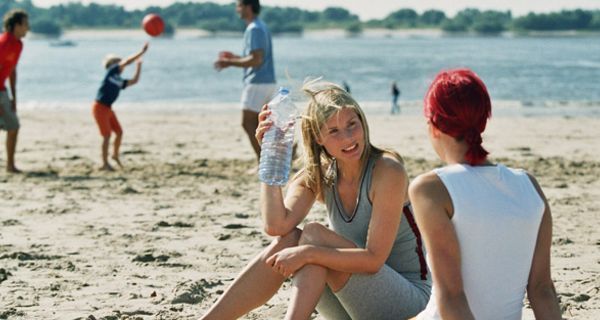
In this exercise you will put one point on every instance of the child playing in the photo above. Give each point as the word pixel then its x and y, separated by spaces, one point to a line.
pixel 107 94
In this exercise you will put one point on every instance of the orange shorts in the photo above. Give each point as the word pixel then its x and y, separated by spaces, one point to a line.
pixel 106 119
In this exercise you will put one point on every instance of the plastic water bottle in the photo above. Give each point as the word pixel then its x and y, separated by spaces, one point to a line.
pixel 277 143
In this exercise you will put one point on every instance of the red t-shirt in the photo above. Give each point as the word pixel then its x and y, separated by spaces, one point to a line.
pixel 10 50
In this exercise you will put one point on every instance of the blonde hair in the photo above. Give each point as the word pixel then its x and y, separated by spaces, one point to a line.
pixel 326 99
pixel 109 60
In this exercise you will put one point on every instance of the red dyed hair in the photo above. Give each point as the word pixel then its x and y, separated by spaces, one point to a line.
pixel 458 104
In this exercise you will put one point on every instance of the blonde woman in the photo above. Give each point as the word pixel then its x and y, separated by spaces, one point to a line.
pixel 369 263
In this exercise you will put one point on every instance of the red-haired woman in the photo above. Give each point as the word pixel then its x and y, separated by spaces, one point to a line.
pixel 487 227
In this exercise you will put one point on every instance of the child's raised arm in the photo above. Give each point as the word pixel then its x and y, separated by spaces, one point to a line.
pixel 136 76
pixel 133 58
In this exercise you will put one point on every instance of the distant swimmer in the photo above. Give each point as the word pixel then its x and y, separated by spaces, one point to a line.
pixel 16 25
pixel 111 86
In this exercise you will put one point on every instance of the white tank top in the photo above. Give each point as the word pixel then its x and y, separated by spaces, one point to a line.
pixel 497 215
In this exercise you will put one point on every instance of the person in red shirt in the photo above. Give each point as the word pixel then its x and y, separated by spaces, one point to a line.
pixel 16 25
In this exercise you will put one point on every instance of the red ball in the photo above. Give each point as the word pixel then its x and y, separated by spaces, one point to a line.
pixel 153 24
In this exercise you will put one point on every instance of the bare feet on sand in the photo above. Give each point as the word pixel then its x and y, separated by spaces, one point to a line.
pixel 107 167
pixel 116 158
pixel 13 170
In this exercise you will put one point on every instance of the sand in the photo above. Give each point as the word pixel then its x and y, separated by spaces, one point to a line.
pixel 163 237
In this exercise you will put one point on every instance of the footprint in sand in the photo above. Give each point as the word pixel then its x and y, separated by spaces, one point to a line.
pixel 4 276
pixel 581 298
pixel 562 241
pixel 149 257
pixel 11 222
pixel 234 226
pixel 194 292
pixel 26 256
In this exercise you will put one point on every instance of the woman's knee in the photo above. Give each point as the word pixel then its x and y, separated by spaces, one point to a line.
pixel 279 243
pixel 312 233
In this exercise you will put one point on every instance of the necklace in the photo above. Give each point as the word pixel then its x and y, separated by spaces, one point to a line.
pixel 338 205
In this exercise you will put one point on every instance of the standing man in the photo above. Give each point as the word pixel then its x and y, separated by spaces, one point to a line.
pixel 16 25
pixel 257 61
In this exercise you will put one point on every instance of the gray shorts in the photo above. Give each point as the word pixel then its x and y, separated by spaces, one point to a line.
pixel 383 295
pixel 8 119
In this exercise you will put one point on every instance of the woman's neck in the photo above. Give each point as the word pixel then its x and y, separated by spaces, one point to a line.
pixel 454 151
pixel 457 156
pixel 349 172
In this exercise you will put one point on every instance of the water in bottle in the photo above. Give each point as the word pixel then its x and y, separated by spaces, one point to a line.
pixel 277 143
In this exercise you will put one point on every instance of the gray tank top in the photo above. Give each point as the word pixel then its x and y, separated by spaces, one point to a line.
pixel 408 254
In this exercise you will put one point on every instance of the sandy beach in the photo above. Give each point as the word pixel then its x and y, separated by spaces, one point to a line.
pixel 163 237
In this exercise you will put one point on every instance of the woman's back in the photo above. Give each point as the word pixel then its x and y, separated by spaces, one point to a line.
pixel 497 215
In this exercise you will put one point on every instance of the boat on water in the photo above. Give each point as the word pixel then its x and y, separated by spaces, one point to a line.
pixel 63 43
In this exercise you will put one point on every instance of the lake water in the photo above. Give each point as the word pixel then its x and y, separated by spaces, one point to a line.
pixel 543 73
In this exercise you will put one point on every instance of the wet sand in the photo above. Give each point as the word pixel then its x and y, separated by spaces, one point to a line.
pixel 163 237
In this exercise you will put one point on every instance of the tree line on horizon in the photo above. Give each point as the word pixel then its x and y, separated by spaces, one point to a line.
pixel 223 18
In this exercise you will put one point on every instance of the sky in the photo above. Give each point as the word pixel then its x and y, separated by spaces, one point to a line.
pixel 377 9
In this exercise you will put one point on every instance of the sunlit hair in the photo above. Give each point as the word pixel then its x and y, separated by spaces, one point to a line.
pixel 12 18
pixel 109 60
pixel 326 100
pixel 458 104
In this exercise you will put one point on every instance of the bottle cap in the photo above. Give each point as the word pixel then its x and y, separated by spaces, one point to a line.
pixel 284 90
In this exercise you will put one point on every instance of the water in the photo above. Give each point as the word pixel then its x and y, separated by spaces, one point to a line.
pixel 527 72
pixel 277 143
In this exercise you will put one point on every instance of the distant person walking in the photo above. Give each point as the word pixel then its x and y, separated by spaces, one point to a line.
pixel 395 96
pixel 346 86
pixel 16 25
pixel 111 86
pixel 257 61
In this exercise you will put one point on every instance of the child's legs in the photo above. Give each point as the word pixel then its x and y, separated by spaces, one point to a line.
pixel 255 285
pixel 105 143
pixel 102 116
pixel 115 126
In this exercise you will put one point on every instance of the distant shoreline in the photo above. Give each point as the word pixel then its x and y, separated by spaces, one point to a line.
pixel 502 108
pixel 316 33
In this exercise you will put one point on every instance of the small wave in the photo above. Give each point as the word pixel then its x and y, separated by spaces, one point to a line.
pixel 577 64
